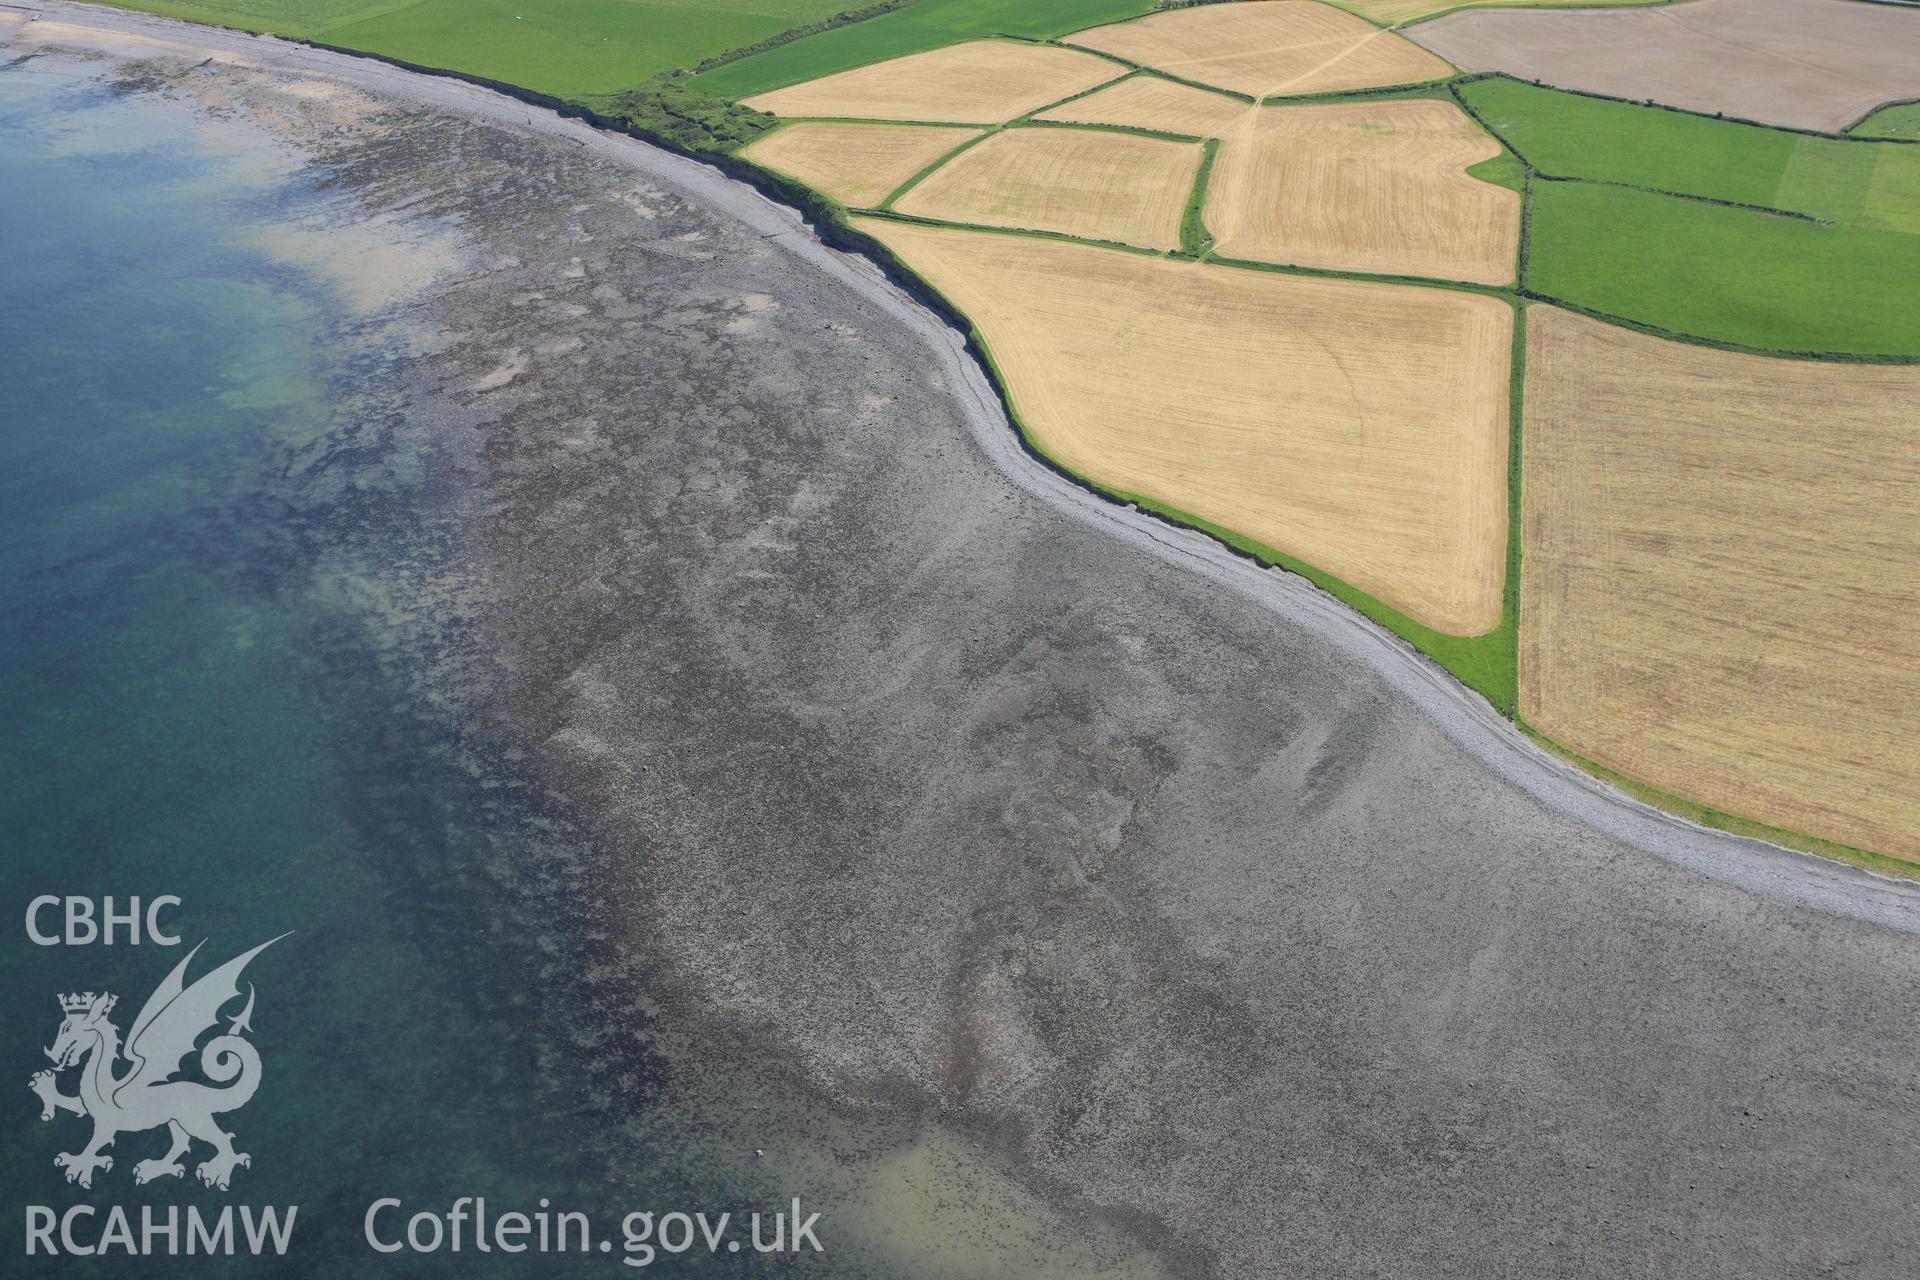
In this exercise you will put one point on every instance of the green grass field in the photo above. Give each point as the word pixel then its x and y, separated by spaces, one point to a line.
pixel 921 24
pixel 306 18
pixel 1571 136
pixel 563 47
pixel 574 46
pixel 1732 275
pixel 1901 120
pixel 1841 278
pixel 1502 171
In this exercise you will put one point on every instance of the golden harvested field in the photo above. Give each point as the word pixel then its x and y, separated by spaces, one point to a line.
pixel 856 164
pixel 1359 426
pixel 1079 182
pixel 979 82
pixel 1267 47
pixel 1718 593
pixel 1364 186
pixel 1148 102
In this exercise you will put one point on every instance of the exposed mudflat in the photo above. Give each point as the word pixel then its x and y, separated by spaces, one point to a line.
pixel 936 789
pixel 1810 64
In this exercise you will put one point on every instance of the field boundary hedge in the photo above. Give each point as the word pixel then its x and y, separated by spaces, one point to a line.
pixel 1195 239
pixel 1534 173
pixel 1506 4
pixel 1849 134
pixel 1134 130
pixel 1719 344
pixel 788 36
pixel 1475 77
pixel 926 171
pixel 948 224
pixel 1543 176
pixel 1526 233
pixel 1138 68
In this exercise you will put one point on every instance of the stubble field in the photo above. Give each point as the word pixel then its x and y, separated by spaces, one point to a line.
pixel 980 82
pixel 1152 102
pixel 1377 187
pixel 1361 427
pixel 1392 11
pixel 1268 47
pixel 1080 182
pixel 856 164
pixel 1719 594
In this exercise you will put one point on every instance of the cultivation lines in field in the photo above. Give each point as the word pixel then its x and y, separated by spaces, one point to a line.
pixel 1271 47
pixel 980 82
pixel 1809 64
pixel 1359 426
pixel 1390 12
pixel 857 164
pixel 1377 187
pixel 1081 182
pixel 1719 595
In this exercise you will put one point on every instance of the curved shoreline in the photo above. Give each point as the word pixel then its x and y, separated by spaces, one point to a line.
pixel 1801 880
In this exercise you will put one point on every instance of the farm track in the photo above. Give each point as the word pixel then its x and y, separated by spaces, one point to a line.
pixel 1275 50
pixel 1784 875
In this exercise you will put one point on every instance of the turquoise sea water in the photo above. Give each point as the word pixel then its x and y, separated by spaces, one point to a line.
pixel 192 707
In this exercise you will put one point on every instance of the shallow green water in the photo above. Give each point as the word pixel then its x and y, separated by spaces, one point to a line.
pixel 193 707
